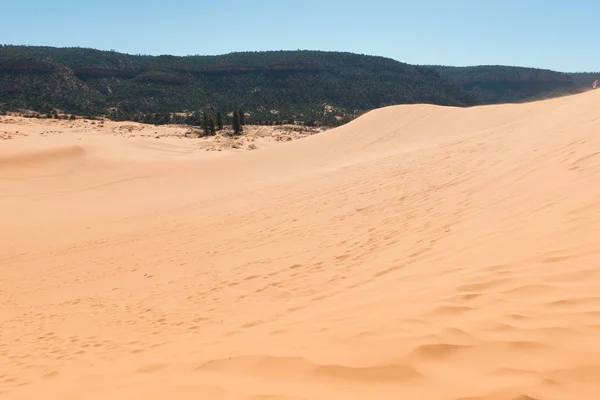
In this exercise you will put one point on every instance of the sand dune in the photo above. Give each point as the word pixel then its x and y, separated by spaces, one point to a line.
pixel 419 252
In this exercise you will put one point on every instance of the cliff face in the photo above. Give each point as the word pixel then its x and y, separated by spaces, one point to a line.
pixel 99 72
pixel 24 66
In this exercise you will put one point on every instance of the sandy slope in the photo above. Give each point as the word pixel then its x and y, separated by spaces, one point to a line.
pixel 419 252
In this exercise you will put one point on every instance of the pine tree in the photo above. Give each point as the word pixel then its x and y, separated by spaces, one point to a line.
pixel 205 123
pixel 219 121
pixel 235 124
pixel 211 124
pixel 242 117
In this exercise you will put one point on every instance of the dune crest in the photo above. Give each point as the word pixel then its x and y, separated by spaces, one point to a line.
pixel 416 252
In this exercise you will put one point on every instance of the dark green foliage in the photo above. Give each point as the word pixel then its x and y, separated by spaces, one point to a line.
pixel 211 125
pixel 296 84
pixel 272 87
pixel 504 84
pixel 178 119
pixel 195 119
pixel 235 123
pixel 585 79
pixel 219 121
pixel 205 124
pixel 208 123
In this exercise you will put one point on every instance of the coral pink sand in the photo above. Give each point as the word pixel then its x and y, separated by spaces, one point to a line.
pixel 419 252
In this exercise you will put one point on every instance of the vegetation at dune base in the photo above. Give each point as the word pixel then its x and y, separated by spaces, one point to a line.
pixel 236 122
pixel 311 88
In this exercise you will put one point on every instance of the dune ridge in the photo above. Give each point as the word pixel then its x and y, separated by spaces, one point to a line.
pixel 416 252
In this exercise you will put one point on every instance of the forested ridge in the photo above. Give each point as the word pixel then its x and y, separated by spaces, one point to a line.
pixel 274 87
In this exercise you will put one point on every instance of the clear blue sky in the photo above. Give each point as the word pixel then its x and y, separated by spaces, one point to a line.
pixel 558 34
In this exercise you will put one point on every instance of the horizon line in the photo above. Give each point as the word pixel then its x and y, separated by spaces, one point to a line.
pixel 291 51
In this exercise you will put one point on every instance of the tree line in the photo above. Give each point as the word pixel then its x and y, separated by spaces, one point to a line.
pixel 210 121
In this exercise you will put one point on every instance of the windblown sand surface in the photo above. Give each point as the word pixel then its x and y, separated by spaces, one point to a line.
pixel 254 137
pixel 418 252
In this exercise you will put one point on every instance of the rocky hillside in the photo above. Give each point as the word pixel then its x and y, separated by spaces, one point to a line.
pixel 276 87
pixel 585 80
pixel 271 87
pixel 505 84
